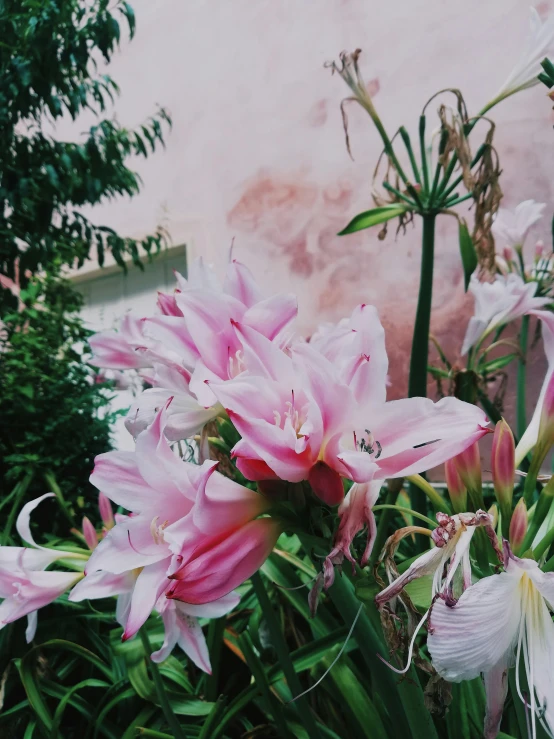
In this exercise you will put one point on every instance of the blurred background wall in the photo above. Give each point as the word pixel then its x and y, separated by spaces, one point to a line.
pixel 257 150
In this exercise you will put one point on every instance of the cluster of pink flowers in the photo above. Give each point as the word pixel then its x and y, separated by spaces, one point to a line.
pixel 312 412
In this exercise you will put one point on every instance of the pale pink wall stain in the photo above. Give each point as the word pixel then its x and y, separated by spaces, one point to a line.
pixel 257 150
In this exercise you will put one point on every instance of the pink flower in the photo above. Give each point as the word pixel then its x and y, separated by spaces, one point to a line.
pixel 355 512
pixel 118 349
pixel 193 340
pixel 303 418
pixel 182 627
pixel 498 303
pixel 512 226
pixel 222 563
pixel 178 510
pixel 25 586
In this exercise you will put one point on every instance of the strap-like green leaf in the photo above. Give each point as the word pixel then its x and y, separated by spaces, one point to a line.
pixel 370 218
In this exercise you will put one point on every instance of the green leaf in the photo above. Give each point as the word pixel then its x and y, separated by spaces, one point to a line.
pixel 91 683
pixel 373 217
pixel 467 252
pixel 496 364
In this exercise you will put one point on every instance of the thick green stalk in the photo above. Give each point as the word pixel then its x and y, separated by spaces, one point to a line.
pixel 216 629
pixel 384 522
pixel 417 385
pixel 280 646
pixel 521 377
pixel 165 705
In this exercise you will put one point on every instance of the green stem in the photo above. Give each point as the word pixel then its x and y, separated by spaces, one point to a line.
pixel 280 646
pixel 383 525
pixel 216 629
pixel 417 385
pixel 165 705
pixel 423 152
pixel 490 409
pixel 438 168
pixel 439 503
pixel 543 544
pixel 408 144
pixel 398 194
pixel 542 509
pixel 458 180
pixel 414 720
pixel 457 201
pixel 406 511
pixel 521 377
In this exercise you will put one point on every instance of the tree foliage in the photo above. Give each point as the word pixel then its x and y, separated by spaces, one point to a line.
pixel 54 419
pixel 51 66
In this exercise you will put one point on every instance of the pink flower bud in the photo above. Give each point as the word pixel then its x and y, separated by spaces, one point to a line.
pixel 546 427
pixel 326 483
pixel 539 250
pixel 89 532
pixel 518 525
pixel 508 254
pixel 468 466
pixel 106 513
pixel 503 465
pixel 456 488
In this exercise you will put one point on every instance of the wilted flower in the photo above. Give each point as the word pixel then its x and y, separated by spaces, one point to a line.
pixel 355 513
pixel 452 540
pixel 500 621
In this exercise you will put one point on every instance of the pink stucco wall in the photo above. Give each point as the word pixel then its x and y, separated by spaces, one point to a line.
pixel 257 149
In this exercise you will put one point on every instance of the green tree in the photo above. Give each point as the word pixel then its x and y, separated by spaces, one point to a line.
pixel 54 418
pixel 50 56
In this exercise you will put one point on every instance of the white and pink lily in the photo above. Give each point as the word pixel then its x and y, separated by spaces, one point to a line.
pixel 538 45
pixel 182 515
pixel 512 226
pixel 497 303
pixel 193 340
pixel 25 584
pixel 499 622
pixel 303 417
